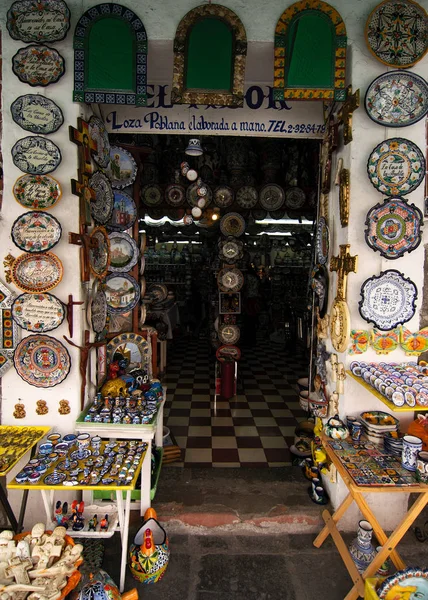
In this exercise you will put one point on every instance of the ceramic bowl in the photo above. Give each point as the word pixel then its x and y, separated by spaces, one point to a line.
pixel 54 438
pixel 34 477
pixel 21 477
pixel 45 448
pixel 70 439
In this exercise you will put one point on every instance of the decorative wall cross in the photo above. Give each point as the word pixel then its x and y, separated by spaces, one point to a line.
pixel 81 137
pixel 8 329
pixel 343 265
pixel 351 104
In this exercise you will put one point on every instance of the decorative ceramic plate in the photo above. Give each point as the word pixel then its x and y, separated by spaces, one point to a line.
pixel 36 231
pixel 397 99
pixel 131 346
pixel 322 241
pixel 247 197
pixel 38 65
pixel 295 198
pixel 409 583
pixel 42 361
pixel 123 252
pixel 99 252
pixel 102 205
pixel 122 168
pixel 396 167
pixel 397 33
pixel 36 155
pixel 122 293
pixel 232 224
pixel 226 353
pixel 98 134
pixel 388 300
pixel 98 311
pixel 394 227
pixel 37 272
pixel 41 21
pixel 271 197
pixel 230 279
pixel 151 194
pixel 224 196
pixel 124 212
pixel 319 284
pixel 193 196
pixel 228 334
pixel 175 195
pixel 231 249
pixel 38 313
pixel 37 191
pixel 158 291
pixel 37 114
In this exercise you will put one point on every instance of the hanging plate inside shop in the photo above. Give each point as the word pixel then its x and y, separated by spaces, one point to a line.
pixel 193 196
pixel 122 293
pixel 123 252
pixel 41 21
pixel 259 214
pixel 228 353
pixel 98 133
pixel 122 168
pixel 397 33
pixel 38 65
pixel 396 167
pixel 397 99
pixel 101 205
pixel 230 279
pixel 124 212
pixel 232 224
pixel 37 272
pixel 388 300
pixel 223 196
pixel 319 284
pixel 37 191
pixel 247 197
pixel 151 194
pixel 322 243
pixel 295 198
pixel 228 334
pixel 37 114
pixel 231 249
pixel 42 361
pixel 99 252
pixel 36 155
pixel 38 313
pixel 175 195
pixel 272 197
pixel 158 291
pixel 36 231
pixel 393 227
pixel 132 347
pixel 97 311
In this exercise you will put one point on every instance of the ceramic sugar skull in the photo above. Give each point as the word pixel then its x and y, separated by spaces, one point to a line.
pixel 149 554
pixel 102 587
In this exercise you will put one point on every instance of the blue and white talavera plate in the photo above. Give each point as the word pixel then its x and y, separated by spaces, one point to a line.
pixel 37 114
pixel 36 155
pixel 409 583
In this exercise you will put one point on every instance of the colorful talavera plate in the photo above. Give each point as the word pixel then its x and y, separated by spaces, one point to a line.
pixel 175 195
pixel 230 279
pixel 229 334
pixel 123 253
pixel 99 252
pixel 122 168
pixel 98 134
pixel 397 99
pixel 37 272
pixel 409 583
pixel 38 65
pixel 37 114
pixel 322 241
pixel 40 192
pixel 38 313
pixel 102 204
pixel 133 347
pixel 397 33
pixel 42 361
pixel 224 196
pixel 232 224
pixel 41 21
pixel 231 249
pixel 388 300
pixel 122 293
pixel 97 311
pixel 36 231
pixel 393 227
pixel 396 167
pixel 124 212
pixel 36 155
pixel 193 196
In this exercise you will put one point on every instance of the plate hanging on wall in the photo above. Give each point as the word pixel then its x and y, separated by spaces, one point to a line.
pixel 98 133
pixel 42 361
pixel 393 227
pixel 123 253
pixel 295 198
pixel 38 313
pixel 322 243
pixel 99 252
pixel 396 167
pixel 101 206
pixel 37 191
pixel 388 300
pixel 230 279
pixel 36 155
pixel 175 195
pixel 151 194
pixel 231 249
pixel 223 196
pixel 38 65
pixel 97 314
pixel 37 272
pixel 36 231
pixel 232 224
pixel 193 197
pixel 122 168
pixel 397 99
pixel 229 334
pixel 37 114
pixel 397 33
pixel 122 293
pixel 271 197
pixel 124 212
pixel 41 21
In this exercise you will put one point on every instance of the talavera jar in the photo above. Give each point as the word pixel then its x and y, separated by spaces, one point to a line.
pixel 361 548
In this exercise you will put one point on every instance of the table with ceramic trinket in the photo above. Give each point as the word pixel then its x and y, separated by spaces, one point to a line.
pixel 63 473
pixel 340 453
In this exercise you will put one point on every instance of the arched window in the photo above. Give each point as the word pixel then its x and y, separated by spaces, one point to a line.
pixel 210 48
pixel 310 53
pixel 110 57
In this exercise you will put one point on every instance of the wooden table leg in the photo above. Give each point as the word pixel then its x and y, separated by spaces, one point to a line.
pixel 325 532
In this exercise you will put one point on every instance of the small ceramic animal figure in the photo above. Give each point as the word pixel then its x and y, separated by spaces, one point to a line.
pixel 104 523
pixel 149 554
pixel 92 524
pixel 102 587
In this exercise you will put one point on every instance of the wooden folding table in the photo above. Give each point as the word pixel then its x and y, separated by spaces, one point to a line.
pixel 389 544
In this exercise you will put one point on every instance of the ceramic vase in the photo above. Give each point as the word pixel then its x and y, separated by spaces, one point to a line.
pixel 361 548
pixel 411 446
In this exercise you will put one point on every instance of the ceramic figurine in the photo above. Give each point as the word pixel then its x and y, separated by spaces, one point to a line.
pixel 64 407
pixel 149 554
pixel 361 548
pixel 336 429
pixel 92 524
pixel 101 587
pixel 104 523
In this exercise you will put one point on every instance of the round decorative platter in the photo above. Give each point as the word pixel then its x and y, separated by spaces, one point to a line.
pixel 388 300
pixel 101 206
pixel 37 191
pixel 122 168
pixel 97 313
pixel 223 196
pixel 412 580
pixel 231 249
pixel 396 167
pixel 98 134
pixel 124 212
pixel 37 273
pixel 41 21
pixel 228 334
pixel 193 196
pixel 151 194
pixel 232 224
pixel 322 244
pixel 158 291
pixel 36 155
pixel 295 198
pixel 134 345
pixel 397 33
pixel 38 65
pixel 123 252
pixel 37 114
pixel 230 279
pixel 122 293
pixel 38 313
pixel 226 353
pixel 272 197
pixel 36 231
pixel 319 284
pixel 99 252
pixel 397 99
pixel 42 361
pixel 247 197
pixel 175 195
pixel 393 227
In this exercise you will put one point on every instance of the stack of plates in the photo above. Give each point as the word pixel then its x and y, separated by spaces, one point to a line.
pixel 393 445
pixel 377 423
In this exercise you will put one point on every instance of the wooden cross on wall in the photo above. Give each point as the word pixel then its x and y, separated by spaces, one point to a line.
pixel 343 265
pixel 330 144
pixel 86 194
pixel 351 104
pixel 88 146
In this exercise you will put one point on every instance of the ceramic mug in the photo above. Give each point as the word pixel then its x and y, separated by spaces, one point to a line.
pixel 356 431
pixel 422 467
pixel 411 446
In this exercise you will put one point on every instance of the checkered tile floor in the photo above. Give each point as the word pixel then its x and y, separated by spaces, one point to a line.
pixel 253 429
